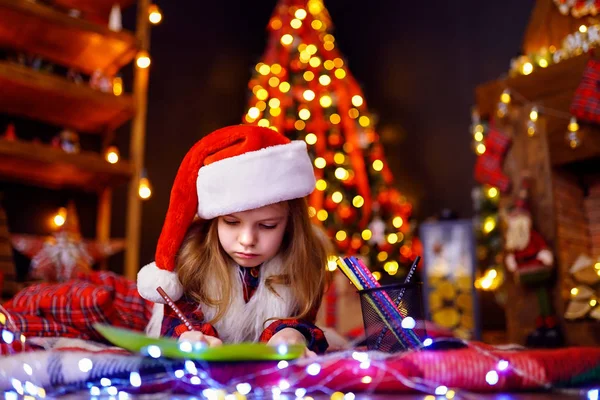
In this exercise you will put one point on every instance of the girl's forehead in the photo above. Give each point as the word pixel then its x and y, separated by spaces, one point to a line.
pixel 276 210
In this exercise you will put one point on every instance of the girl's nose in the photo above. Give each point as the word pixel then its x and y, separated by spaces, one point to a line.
pixel 247 237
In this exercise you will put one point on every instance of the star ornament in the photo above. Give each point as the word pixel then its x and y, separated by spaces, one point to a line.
pixel 64 254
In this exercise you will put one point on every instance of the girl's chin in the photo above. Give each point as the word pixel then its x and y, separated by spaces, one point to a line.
pixel 248 263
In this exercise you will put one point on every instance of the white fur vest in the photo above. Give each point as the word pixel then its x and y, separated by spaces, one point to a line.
pixel 243 322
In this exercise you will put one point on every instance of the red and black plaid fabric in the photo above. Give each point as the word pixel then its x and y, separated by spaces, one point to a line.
pixel 131 311
pixel 172 325
pixel 586 101
pixel 488 167
pixel 70 309
pixel 315 338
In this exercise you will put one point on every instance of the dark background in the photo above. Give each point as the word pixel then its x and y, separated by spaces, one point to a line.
pixel 418 63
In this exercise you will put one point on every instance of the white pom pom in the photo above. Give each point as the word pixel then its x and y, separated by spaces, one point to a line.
pixel 151 277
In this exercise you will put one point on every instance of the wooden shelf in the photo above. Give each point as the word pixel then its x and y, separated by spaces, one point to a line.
pixel 542 84
pixel 55 100
pixel 72 42
pixel 45 166
pixel 100 8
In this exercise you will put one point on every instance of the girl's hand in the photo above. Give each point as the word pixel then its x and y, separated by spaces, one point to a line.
pixel 197 336
pixel 291 336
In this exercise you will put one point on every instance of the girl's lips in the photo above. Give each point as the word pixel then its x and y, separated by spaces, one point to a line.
pixel 246 255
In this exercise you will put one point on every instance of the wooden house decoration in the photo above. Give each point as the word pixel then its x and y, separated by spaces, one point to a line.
pixel 565 192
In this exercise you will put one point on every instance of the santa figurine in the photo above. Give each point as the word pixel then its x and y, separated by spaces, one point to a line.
pixel 531 261
pixel 527 256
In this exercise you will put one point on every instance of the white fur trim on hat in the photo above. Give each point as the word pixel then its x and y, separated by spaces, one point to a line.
pixel 255 179
pixel 151 277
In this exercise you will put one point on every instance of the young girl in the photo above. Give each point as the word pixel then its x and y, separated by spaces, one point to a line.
pixel 238 252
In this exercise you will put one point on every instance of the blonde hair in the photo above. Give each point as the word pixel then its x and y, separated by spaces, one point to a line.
pixel 304 253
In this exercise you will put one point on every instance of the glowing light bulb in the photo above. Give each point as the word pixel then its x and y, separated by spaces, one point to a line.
pixel 533 115
pixel 320 162
pixel 322 215
pixel 325 101
pixel 117 86
pixel 377 165
pixel 314 62
pixel 397 222
pixel 60 217
pixel 321 184
pixel 300 13
pixel 341 173
pixel 337 197
pixel 143 59
pixel 276 24
pixel 324 80
pixel 284 87
pixel 144 190
pixel 304 114
pixel 308 95
pixel 357 100
pixel 154 14
pixel 502 365
pixel 573 125
pixel 296 23
pixel 310 138
pixel 491 378
pixel 112 155
pixel 264 69
pixel 527 68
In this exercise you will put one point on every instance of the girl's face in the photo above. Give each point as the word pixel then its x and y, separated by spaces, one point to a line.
pixel 254 236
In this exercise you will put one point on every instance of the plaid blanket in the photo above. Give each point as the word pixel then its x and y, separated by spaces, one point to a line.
pixel 58 356
pixel 109 371
pixel 70 309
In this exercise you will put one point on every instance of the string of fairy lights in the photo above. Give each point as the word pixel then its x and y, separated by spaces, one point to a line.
pixel 112 154
pixel 576 43
pixel 142 61
pixel 328 374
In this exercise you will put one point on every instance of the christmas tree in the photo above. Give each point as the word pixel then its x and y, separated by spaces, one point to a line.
pixel 303 88
pixel 486 196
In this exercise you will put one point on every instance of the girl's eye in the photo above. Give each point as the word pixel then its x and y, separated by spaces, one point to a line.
pixel 266 226
pixel 231 222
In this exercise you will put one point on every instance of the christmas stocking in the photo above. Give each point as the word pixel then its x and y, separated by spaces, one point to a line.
pixel 586 101
pixel 488 168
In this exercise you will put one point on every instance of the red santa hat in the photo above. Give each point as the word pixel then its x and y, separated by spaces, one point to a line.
pixel 233 169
